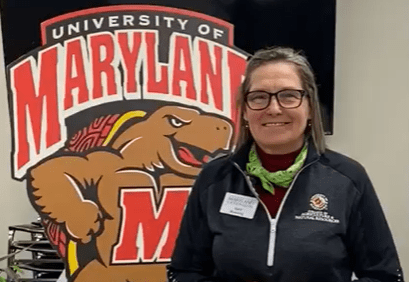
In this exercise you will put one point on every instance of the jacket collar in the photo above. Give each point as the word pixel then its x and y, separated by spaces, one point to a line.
pixel 241 155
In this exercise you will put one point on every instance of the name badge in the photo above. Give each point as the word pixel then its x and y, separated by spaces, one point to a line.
pixel 239 205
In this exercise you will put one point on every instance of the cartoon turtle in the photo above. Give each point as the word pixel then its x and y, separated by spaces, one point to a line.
pixel 80 191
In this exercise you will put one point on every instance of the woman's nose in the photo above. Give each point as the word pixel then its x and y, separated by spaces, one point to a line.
pixel 274 107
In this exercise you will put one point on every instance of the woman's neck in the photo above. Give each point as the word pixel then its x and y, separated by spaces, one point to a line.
pixel 275 162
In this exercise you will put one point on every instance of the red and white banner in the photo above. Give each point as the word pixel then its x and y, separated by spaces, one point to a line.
pixel 113 117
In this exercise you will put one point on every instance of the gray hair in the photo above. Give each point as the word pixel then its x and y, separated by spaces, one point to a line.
pixel 305 72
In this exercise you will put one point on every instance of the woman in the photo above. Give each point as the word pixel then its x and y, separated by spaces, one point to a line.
pixel 283 207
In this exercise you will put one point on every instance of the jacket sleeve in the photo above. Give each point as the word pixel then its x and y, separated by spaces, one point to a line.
pixel 369 240
pixel 192 256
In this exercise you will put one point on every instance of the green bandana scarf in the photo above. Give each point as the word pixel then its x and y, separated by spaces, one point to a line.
pixel 282 177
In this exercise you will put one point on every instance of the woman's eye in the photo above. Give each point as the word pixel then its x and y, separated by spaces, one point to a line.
pixel 258 98
pixel 288 97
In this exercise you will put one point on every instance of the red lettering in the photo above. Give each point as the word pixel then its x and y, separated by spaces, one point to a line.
pixel 183 72
pixel 130 57
pixel 75 79
pixel 102 63
pixel 159 227
pixel 211 73
pixel 237 66
pixel 29 104
pixel 155 86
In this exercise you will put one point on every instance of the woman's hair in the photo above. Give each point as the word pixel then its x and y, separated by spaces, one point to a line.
pixel 305 72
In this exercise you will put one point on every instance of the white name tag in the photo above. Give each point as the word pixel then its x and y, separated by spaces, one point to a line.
pixel 239 205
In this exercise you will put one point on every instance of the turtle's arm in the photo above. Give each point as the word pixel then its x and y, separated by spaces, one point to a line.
pixel 57 190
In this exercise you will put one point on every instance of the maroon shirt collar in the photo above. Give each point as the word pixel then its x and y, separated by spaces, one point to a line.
pixel 274 163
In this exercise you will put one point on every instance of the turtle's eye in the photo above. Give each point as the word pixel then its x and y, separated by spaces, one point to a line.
pixel 175 122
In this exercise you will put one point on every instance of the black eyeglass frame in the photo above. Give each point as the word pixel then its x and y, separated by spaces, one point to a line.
pixel 302 92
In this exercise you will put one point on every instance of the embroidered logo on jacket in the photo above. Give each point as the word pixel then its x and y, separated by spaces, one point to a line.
pixel 319 202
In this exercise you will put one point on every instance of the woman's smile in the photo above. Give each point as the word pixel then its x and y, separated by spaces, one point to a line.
pixel 275 124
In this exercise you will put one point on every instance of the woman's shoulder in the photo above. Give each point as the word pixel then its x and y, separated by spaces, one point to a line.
pixel 344 165
pixel 336 158
pixel 216 167
pixel 221 162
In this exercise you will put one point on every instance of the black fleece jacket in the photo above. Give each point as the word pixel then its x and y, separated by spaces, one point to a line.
pixel 330 224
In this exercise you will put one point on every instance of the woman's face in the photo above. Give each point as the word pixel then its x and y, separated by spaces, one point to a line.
pixel 275 129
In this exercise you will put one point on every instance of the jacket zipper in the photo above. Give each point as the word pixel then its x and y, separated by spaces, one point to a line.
pixel 273 222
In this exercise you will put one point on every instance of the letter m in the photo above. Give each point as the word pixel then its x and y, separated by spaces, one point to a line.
pixel 36 124
pixel 148 234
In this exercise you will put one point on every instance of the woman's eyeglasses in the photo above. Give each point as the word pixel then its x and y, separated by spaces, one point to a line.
pixel 287 98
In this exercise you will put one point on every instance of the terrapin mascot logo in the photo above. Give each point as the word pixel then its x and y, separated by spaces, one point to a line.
pixel 113 118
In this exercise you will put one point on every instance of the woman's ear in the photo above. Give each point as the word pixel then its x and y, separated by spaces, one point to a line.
pixel 245 115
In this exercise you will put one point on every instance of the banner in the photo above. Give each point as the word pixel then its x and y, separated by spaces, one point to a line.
pixel 113 117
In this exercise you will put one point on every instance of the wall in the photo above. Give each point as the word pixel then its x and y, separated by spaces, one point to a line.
pixel 372 102
pixel 14 204
pixel 371 112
